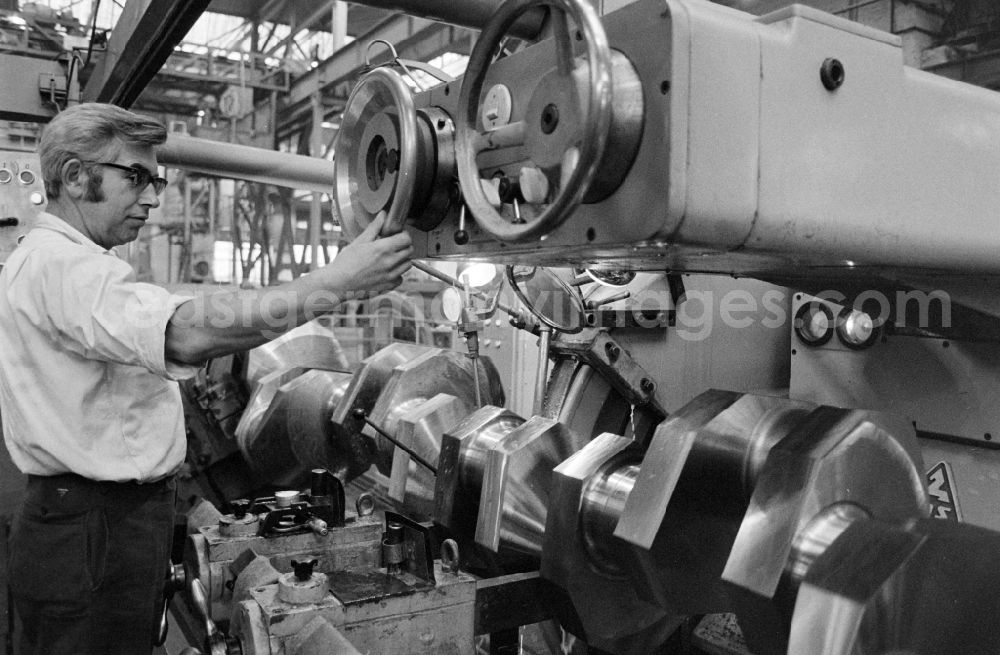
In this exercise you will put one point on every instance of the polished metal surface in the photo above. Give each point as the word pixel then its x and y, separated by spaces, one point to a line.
pixel 719 439
pixel 362 393
pixel 435 168
pixel 262 432
pixel 833 456
pixel 462 464
pixel 815 538
pixel 312 399
pixel 291 425
pixel 691 492
pixel 624 137
pixel 420 429
pixel 413 382
pixel 516 483
pixel 246 163
pixel 926 587
pixel 376 167
pixel 603 505
pixel 661 533
pixel 311 345
pixel 602 600
pixel 473 455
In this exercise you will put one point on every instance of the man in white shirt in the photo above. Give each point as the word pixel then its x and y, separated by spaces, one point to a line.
pixel 89 360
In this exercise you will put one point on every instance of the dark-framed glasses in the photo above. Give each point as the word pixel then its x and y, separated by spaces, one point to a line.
pixel 138 178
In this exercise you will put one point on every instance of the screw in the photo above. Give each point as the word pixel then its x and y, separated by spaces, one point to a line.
pixel 613 352
pixel 550 118
pixel 647 386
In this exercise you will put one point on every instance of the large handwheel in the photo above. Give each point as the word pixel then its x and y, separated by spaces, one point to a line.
pixel 596 115
pixel 375 167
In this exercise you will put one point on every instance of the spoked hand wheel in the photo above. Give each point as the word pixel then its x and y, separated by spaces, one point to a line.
pixel 375 167
pixel 573 130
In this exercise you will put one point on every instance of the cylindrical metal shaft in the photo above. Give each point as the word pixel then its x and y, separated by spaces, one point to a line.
pixel 247 163
pixel 467 13
pixel 603 504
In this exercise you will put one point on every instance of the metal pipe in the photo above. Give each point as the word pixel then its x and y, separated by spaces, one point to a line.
pixel 544 337
pixel 184 266
pixel 475 380
pixel 247 163
pixel 316 204
pixel 360 413
pixel 444 277
pixel 467 13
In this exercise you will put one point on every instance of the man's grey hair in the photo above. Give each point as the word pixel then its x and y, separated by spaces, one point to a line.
pixel 92 131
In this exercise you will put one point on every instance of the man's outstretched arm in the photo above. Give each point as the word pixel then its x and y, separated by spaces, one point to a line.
pixel 228 321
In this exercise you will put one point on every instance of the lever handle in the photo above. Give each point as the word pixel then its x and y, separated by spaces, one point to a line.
pixel 215 641
pixel 175 580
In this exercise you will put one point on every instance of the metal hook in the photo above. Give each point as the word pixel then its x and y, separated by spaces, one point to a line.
pixel 449 555
pixel 395 58
pixel 368 50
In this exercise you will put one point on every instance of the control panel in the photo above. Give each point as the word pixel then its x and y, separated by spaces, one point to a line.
pixel 22 197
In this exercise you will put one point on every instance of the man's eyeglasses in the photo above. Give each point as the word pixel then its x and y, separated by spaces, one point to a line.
pixel 138 178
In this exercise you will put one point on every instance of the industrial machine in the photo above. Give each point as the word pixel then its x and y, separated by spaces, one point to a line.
pixel 759 255
pixel 767 335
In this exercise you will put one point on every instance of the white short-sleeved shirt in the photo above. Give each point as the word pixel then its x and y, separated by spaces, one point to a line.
pixel 84 384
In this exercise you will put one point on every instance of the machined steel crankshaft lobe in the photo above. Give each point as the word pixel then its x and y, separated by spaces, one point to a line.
pixel 638 540
pixel 924 588
pixel 495 468
pixel 303 417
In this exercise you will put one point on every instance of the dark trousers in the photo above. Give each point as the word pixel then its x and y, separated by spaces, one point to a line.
pixel 87 565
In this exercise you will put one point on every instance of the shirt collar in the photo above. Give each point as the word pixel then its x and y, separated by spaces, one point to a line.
pixel 52 222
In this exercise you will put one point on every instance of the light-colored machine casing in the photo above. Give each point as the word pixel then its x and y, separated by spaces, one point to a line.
pixel 748 164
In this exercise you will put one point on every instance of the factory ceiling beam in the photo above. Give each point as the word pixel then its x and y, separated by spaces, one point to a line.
pixel 138 46
pixel 308 23
pixel 414 38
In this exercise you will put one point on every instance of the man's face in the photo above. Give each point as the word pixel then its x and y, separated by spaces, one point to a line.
pixel 114 209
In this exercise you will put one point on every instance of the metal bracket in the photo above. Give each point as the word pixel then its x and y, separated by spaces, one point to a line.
pixel 614 363
pixel 417 547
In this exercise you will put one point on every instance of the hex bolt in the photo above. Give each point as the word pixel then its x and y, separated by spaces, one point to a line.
pixel 831 73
